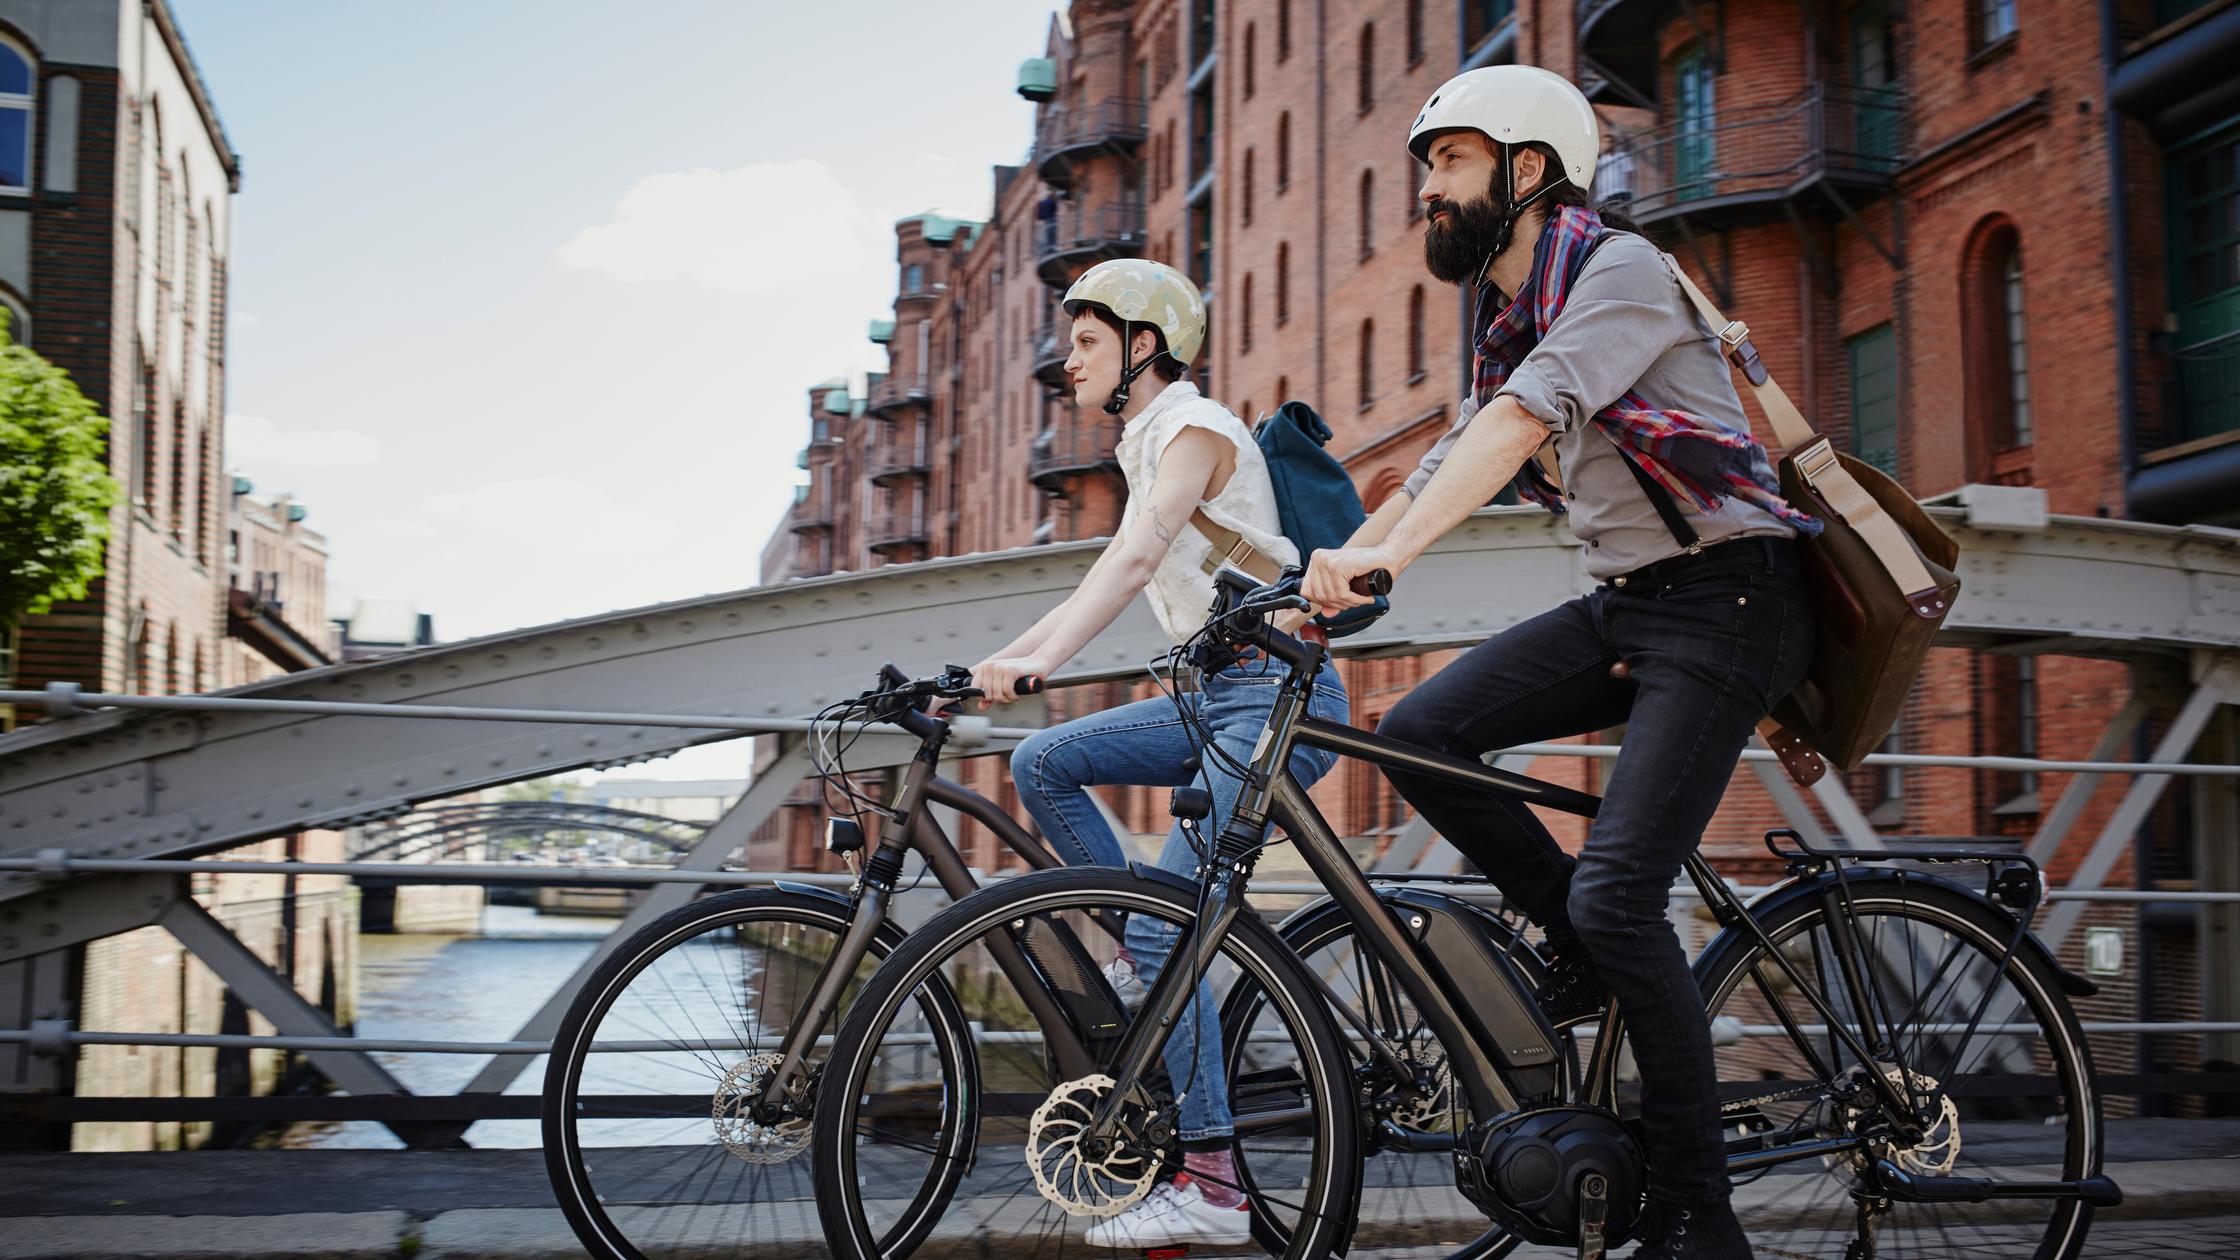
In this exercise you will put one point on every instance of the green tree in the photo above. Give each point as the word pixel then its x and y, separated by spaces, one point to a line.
pixel 55 492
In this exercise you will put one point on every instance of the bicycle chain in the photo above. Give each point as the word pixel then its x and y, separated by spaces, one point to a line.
pixel 1745 1104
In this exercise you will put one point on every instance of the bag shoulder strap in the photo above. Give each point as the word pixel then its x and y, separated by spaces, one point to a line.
pixel 1815 459
pixel 1230 547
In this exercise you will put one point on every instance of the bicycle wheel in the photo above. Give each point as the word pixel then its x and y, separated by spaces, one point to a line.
pixel 1037 1183
pixel 1998 1065
pixel 650 1151
pixel 1408 1199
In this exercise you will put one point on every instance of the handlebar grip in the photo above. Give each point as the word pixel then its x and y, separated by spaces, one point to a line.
pixel 1374 582
pixel 1029 685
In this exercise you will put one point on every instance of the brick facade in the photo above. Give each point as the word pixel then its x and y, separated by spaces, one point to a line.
pixel 1849 173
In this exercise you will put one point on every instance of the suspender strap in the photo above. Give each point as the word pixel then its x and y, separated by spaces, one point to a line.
pixel 1682 532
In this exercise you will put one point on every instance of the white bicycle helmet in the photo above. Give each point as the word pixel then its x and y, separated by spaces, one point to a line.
pixel 1513 105
pixel 1139 291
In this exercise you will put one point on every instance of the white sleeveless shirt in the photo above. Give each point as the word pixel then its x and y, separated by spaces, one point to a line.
pixel 1181 591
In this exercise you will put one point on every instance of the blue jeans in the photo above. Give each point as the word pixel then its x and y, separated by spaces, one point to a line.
pixel 1145 745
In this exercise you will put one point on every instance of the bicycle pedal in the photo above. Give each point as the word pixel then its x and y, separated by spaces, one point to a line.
pixel 1594 1215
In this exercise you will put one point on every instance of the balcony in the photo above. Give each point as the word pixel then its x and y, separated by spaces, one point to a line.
pixel 890 392
pixel 1067 137
pixel 1053 345
pixel 898 455
pixel 2189 464
pixel 1754 163
pixel 1072 450
pixel 810 515
pixel 896 528
pixel 1076 239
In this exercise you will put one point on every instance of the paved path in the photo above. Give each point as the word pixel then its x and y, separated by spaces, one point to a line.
pixel 2181 1178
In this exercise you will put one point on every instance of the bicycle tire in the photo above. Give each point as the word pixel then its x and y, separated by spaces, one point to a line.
pixel 582 1202
pixel 1251 946
pixel 1972 926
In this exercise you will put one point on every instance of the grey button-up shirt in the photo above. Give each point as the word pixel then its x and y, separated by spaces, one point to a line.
pixel 1627 325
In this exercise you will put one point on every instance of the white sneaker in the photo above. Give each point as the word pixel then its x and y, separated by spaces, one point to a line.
pixel 1120 973
pixel 1175 1212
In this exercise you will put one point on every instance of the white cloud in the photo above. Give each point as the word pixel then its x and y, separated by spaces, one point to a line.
pixel 255 444
pixel 761 228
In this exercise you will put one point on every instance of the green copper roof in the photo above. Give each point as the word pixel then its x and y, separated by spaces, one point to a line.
pixel 836 401
pixel 882 331
pixel 1038 78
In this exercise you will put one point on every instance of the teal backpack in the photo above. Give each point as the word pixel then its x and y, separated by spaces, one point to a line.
pixel 1314 497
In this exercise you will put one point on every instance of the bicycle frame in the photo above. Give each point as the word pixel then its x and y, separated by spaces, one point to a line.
pixel 1272 795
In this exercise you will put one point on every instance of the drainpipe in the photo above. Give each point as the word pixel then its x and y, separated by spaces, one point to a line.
pixel 2119 252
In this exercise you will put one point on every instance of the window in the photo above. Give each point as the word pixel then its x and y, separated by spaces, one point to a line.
pixel 2203 244
pixel 1996 356
pixel 15 119
pixel 1994 21
pixel 1283 390
pixel 2011 711
pixel 1251 43
pixel 1874 397
pixel 1167 155
pixel 62 134
pixel 1482 18
pixel 1413 15
pixel 1283 31
pixel 1695 107
pixel 1201 243
pixel 2017 346
pixel 1201 131
pixel 1244 191
pixel 1368 357
pixel 1283 285
pixel 1365 87
pixel 1244 319
pixel 1283 151
pixel 1415 334
pixel 1368 213
pixel 914 278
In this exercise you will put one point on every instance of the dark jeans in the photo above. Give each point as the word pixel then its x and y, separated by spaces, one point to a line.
pixel 1709 641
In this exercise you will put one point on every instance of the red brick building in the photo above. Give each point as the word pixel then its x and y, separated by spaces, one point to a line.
pixel 116 194
pixel 1995 241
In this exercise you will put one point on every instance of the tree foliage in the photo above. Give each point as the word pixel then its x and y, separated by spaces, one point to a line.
pixel 55 491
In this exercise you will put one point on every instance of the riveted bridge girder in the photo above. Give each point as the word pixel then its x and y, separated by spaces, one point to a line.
pixel 126 784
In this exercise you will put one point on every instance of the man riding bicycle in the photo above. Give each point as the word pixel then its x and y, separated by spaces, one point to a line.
pixel 1598 393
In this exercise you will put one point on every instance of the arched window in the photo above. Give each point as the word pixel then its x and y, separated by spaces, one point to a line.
pixel 1283 151
pixel 1995 327
pixel 1244 194
pixel 1415 334
pixel 1414 18
pixel 1366 88
pixel 1368 357
pixel 16 83
pixel 1368 213
pixel 19 317
pixel 1244 317
pixel 1251 50
pixel 1283 390
pixel 1283 284
pixel 1283 31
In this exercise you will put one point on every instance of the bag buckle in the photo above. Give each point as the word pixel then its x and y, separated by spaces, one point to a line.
pixel 1736 338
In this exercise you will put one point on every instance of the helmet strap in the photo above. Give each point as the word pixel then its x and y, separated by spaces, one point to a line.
pixel 1511 208
pixel 1128 373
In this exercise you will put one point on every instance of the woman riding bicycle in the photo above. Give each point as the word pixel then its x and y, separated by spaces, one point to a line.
pixel 1195 478
pixel 1589 356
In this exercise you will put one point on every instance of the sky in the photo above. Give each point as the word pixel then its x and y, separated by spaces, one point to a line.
pixel 526 297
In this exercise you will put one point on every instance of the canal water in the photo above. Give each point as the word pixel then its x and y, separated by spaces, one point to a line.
pixel 460 988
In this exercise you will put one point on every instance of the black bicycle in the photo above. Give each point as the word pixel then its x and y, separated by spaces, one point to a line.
pixel 1900 1068
pixel 683 1078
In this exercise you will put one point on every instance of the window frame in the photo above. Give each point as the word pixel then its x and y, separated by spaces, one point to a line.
pixel 28 102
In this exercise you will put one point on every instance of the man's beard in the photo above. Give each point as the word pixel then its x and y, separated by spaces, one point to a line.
pixel 1456 246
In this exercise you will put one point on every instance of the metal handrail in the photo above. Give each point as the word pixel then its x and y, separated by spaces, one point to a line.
pixel 896 526
pixel 897 458
pixel 1763 148
pixel 1065 131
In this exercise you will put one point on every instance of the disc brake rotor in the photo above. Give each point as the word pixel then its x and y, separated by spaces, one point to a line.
pixel 741 1134
pixel 1083 1176
pixel 1932 1154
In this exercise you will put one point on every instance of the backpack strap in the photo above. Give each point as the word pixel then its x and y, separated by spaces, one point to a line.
pixel 1230 547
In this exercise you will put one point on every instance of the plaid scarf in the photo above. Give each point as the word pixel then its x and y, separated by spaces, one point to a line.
pixel 1698 460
